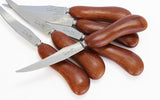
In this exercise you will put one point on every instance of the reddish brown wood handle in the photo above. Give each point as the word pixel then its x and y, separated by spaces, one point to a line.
pixel 128 60
pixel 88 26
pixel 124 26
pixel 98 13
pixel 91 62
pixel 77 79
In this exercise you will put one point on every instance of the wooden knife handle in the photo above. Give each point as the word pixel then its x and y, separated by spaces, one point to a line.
pixel 98 13
pixel 128 60
pixel 88 26
pixel 124 26
pixel 91 62
pixel 77 79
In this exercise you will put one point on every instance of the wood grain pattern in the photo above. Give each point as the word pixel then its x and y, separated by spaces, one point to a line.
pixel 77 79
pixel 124 26
pixel 88 26
pixel 91 62
pixel 128 60
pixel 98 13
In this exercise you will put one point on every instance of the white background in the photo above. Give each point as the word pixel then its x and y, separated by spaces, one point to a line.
pixel 47 84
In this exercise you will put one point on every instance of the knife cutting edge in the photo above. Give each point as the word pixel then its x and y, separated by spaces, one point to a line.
pixel 132 23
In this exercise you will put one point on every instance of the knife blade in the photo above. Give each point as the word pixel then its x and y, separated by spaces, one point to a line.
pixel 20 29
pixel 54 58
pixel 43 25
pixel 44 9
pixel 56 18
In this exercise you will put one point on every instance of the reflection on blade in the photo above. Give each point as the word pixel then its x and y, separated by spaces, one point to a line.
pixel 55 58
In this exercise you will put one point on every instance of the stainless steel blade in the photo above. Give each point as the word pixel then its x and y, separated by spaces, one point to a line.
pixel 61 55
pixel 45 26
pixel 45 9
pixel 19 28
pixel 71 32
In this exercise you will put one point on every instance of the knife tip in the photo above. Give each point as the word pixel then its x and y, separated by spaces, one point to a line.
pixel 26 69
pixel 22 70
pixel 19 71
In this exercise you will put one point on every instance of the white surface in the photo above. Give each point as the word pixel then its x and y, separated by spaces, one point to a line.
pixel 47 84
